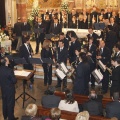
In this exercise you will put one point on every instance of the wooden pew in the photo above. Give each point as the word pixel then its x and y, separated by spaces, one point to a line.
pixel 82 99
pixel 65 114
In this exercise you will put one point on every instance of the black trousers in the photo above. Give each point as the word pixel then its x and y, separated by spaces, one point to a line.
pixel 105 81
pixel 39 40
pixel 59 81
pixel 47 74
pixel 8 103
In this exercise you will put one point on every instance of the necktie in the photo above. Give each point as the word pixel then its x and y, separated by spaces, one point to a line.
pixel 29 49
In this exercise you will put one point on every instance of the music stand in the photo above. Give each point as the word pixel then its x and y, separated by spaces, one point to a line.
pixel 47 60
pixel 24 93
pixel 20 61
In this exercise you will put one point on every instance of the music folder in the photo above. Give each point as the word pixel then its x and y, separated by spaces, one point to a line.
pixel 98 75
pixel 47 60
pixel 101 65
pixel 35 60
pixel 20 61
pixel 63 67
pixel 60 73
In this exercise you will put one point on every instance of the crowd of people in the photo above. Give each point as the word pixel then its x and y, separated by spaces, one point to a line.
pixel 82 57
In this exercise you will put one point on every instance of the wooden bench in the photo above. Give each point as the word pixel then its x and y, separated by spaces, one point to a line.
pixel 65 114
pixel 82 99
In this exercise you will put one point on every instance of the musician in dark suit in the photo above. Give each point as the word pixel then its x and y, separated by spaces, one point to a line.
pixel 55 27
pixel 113 108
pixel 61 56
pixel 105 56
pixel 92 54
pixel 115 87
pixel 93 106
pixel 66 41
pixel 17 31
pixel 47 53
pixel 39 36
pixel 115 26
pixel 73 23
pixel 82 76
pixel 25 25
pixel 50 100
pixel 111 38
pixel 7 84
pixel 108 14
pixel 117 50
pixel 74 44
pixel 93 35
pixel 26 52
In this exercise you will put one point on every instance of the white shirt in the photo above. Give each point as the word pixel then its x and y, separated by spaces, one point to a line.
pixel 68 107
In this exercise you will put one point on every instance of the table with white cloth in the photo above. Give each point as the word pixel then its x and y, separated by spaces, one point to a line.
pixel 7 45
pixel 81 33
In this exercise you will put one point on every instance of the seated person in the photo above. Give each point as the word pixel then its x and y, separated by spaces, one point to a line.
pixel 82 116
pixel 93 106
pixel 69 104
pixel 50 100
pixel 113 108
pixel 30 112
pixel 2 52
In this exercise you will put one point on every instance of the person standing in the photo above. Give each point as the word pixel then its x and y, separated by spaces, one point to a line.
pixel 82 76
pixel 61 56
pixel 17 31
pixel 7 84
pixel 115 87
pixel 26 52
pixel 47 53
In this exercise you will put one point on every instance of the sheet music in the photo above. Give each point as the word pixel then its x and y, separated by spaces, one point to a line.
pixel 102 66
pixel 98 75
pixel 60 74
pixel 21 73
pixel 64 67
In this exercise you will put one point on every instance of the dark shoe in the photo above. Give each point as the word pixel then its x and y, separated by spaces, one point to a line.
pixel 16 118
pixel 57 86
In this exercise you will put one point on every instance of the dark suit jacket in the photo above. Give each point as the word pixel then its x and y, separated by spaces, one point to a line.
pixel 62 56
pixel 108 15
pixel 18 29
pixel 92 50
pixel 7 80
pixel 113 109
pixel 55 30
pixel 93 107
pixel 26 27
pixel 50 101
pixel 106 56
pixel 25 54
pixel 95 36
pixel 111 39
pixel 115 80
pixel 3 55
pixel 72 55
pixel 81 78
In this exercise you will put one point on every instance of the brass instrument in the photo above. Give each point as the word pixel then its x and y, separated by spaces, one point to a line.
pixel 55 38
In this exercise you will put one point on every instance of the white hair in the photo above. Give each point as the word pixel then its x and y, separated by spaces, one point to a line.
pixel 82 116
pixel 31 110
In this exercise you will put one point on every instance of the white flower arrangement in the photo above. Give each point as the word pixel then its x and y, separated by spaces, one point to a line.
pixel 64 7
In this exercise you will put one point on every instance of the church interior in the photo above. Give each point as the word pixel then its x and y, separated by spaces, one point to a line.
pixel 65 45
